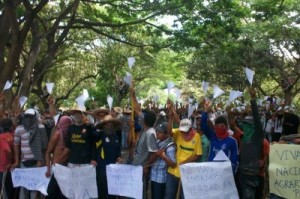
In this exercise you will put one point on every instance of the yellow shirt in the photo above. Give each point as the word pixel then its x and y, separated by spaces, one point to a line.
pixel 185 150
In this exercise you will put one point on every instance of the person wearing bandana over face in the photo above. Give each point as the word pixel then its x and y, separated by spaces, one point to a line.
pixel 254 151
pixel 56 148
pixel 189 149
pixel 31 139
pixel 219 138
pixel 108 152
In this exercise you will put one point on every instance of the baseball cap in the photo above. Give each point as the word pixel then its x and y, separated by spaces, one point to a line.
pixel 185 125
pixel 30 111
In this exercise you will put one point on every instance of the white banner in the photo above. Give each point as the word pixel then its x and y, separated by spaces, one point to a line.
pixel 78 182
pixel 31 179
pixel 284 170
pixel 125 180
pixel 208 180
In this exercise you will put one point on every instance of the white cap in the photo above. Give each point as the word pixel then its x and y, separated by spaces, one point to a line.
pixel 185 125
pixel 30 111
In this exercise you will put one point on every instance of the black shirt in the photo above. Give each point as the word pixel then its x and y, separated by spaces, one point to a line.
pixel 81 143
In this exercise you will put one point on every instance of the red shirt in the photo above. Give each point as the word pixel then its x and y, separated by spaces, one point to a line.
pixel 6 144
pixel 264 156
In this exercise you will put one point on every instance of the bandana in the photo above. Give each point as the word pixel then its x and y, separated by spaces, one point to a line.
pixel 62 127
pixel 248 130
pixel 188 136
pixel 221 132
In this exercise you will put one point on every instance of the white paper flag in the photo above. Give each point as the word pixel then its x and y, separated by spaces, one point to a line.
pixel 249 74
pixel 170 86
pixel 7 85
pixel 110 101
pixel 177 93
pixel 205 86
pixel 131 61
pixel 233 95
pixel 56 117
pixel 85 95
pixel 49 87
pixel 80 103
pixel 22 101
pixel 217 92
pixel 128 79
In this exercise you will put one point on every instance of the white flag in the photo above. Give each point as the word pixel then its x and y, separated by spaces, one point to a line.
pixel 217 92
pixel 233 95
pixel 131 61
pixel 170 86
pixel 205 86
pixel 128 79
pixel 249 74
pixel 85 95
pixel 49 87
pixel 56 117
pixel 110 101
pixel 22 101
pixel 7 85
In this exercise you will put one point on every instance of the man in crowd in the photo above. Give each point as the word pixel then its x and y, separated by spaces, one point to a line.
pixel 31 139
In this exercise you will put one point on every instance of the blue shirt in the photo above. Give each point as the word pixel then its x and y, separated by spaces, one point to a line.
pixel 228 145
pixel 160 167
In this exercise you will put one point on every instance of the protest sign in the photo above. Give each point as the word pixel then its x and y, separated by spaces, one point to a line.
pixel 31 179
pixel 77 182
pixel 208 180
pixel 284 170
pixel 125 180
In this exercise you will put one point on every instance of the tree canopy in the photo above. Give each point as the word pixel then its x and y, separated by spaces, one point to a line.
pixel 86 43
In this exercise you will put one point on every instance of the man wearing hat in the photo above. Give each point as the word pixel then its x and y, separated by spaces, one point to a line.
pixel 108 152
pixel 166 158
pixel 80 142
pixel 31 139
pixel 189 149
pixel 99 114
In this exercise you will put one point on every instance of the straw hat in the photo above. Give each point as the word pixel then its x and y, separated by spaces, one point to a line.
pixel 101 110
pixel 127 110
pixel 109 119
pixel 76 109
pixel 118 109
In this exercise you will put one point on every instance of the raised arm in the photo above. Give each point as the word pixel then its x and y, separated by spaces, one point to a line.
pixel 209 133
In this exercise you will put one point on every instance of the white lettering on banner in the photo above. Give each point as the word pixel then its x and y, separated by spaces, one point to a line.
pixel 125 180
pixel 208 180
pixel 31 179
pixel 78 182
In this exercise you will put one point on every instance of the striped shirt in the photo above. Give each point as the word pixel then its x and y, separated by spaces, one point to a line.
pixel 21 137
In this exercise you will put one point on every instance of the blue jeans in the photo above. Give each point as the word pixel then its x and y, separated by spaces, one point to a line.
pixel 158 190
pixel 172 187
pixel 124 139
pixel 24 193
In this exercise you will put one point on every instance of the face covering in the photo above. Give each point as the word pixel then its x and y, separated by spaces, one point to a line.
pixel 29 122
pixel 63 125
pixel 78 119
pixel 248 130
pixel 221 132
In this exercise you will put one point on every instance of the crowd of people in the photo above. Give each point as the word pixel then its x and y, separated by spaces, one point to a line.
pixel 159 140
